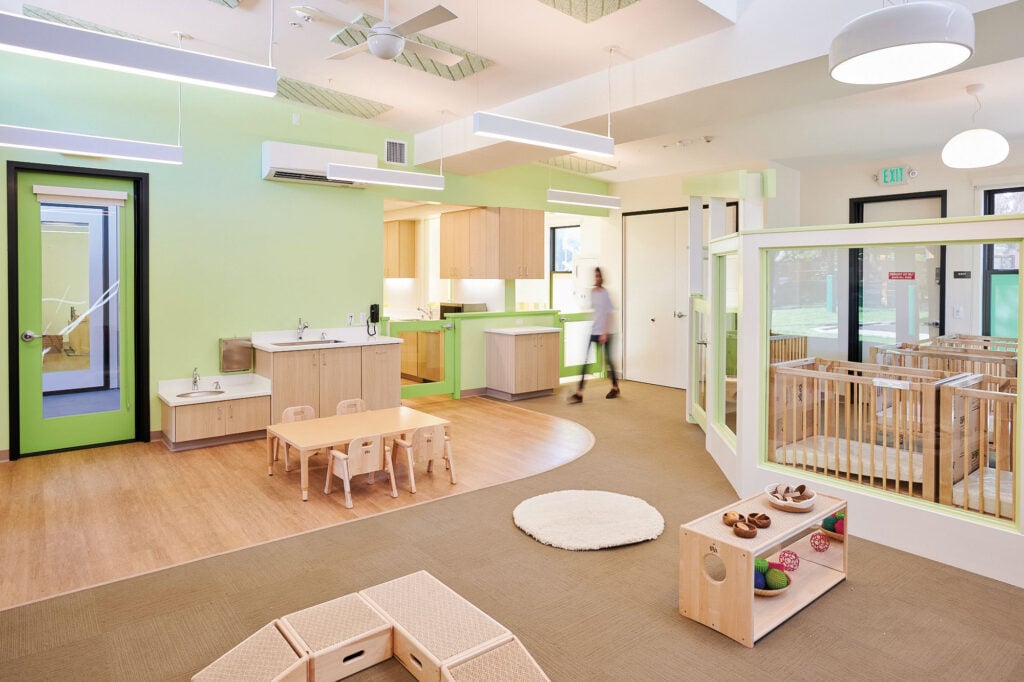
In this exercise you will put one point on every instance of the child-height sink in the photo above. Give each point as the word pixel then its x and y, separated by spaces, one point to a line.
pixel 199 394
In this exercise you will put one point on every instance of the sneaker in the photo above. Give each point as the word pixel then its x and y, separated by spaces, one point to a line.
pixel 575 398
pixel 614 393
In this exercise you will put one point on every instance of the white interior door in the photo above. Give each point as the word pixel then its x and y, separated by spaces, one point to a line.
pixel 655 299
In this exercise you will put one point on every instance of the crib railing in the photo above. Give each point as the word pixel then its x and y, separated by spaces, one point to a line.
pixel 974 342
pixel 785 347
pixel 978 431
pixel 949 359
pixel 871 424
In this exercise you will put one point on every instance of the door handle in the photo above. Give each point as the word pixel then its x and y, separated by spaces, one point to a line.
pixel 652 319
pixel 29 336
pixel 679 314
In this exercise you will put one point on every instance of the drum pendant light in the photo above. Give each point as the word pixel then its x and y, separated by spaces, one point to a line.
pixel 902 42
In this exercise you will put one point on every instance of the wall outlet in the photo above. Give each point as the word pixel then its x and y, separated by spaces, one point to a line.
pixel 519 321
pixel 362 319
pixel 351 319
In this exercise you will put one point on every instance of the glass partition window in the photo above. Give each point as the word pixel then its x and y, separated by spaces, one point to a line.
pixel 727 332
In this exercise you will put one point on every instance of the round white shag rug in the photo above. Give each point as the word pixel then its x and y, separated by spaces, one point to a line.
pixel 588 519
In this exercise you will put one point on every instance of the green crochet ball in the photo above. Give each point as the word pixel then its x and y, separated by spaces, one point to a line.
pixel 775 579
pixel 829 523
pixel 760 565
pixel 840 515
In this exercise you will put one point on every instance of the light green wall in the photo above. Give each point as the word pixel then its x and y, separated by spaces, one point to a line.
pixel 229 252
pixel 473 340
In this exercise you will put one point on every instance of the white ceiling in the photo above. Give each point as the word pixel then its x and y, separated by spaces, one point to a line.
pixel 757 87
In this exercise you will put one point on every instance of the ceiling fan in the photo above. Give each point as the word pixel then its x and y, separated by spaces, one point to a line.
pixel 386 40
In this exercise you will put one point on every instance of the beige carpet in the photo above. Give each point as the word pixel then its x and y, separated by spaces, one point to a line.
pixel 602 615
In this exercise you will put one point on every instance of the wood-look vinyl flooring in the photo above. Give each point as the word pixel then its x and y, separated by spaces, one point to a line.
pixel 82 518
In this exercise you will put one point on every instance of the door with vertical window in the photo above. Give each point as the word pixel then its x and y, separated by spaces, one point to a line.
pixel 1001 263
pixel 74 281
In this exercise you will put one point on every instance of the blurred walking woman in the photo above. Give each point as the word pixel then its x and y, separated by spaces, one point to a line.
pixel 601 334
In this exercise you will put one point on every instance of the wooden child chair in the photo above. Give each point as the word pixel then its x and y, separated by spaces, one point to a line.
pixel 365 456
pixel 293 414
pixel 426 444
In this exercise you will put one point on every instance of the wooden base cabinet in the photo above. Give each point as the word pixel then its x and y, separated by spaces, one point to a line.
pixel 522 362
pixel 716 567
pixel 381 376
pixel 201 421
pixel 319 378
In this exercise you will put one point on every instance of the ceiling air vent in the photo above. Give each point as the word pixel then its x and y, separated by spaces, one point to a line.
pixel 395 152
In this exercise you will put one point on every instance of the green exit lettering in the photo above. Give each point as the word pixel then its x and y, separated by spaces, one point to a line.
pixel 892 176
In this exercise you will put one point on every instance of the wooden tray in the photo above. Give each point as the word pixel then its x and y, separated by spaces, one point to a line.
pixel 775 593
pixel 838 537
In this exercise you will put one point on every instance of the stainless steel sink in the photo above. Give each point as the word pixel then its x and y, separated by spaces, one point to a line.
pixel 311 342
pixel 199 394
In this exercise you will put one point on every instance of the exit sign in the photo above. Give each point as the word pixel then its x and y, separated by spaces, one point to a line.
pixel 894 175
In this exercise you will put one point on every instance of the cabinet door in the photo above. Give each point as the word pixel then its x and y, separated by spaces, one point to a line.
pixel 340 377
pixel 391 249
pixel 454 244
pixel 296 381
pixel 531 227
pixel 482 252
pixel 547 360
pixel 247 414
pixel 526 363
pixel 409 352
pixel 406 262
pixel 430 356
pixel 382 382
pixel 205 420
pixel 510 244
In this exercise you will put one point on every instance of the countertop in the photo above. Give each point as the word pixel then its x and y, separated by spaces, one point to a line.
pixel 336 337
pixel 234 386
pixel 513 331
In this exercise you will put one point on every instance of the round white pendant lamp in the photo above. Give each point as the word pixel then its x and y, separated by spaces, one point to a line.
pixel 902 42
pixel 977 147
pixel 384 43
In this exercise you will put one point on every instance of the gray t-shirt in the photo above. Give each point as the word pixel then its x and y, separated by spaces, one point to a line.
pixel 601 302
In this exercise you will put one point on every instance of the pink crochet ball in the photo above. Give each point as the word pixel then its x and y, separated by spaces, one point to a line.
pixel 841 526
pixel 789 559
pixel 820 542
pixel 776 564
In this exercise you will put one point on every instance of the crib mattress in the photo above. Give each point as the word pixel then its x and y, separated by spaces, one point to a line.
pixel 829 452
pixel 973 485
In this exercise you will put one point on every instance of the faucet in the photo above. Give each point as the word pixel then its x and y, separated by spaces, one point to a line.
pixel 195 378
pixel 303 326
pixel 425 311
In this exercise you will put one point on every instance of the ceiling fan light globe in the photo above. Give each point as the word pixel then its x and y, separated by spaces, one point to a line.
pixel 386 44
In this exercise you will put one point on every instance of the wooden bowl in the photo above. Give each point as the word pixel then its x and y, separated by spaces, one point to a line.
pixel 799 507
pixel 775 593
pixel 838 537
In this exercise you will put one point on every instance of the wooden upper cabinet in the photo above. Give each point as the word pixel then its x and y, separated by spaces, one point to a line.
pixel 492 243
pixel 400 248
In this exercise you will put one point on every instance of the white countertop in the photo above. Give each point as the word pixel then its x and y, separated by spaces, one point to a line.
pixel 512 331
pixel 234 386
pixel 335 337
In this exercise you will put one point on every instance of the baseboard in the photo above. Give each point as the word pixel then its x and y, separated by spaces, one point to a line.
pixel 472 392
pixel 155 435
pixel 5 455
pixel 211 442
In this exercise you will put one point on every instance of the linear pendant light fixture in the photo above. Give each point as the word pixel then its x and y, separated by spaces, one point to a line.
pixel 559 196
pixel 88 145
pixel 383 176
pixel 541 134
pixel 39 38
pixel 902 42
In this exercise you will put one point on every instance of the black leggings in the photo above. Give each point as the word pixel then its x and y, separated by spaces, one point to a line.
pixel 596 338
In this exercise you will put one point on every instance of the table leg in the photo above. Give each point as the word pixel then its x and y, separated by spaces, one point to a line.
pixel 270 454
pixel 304 468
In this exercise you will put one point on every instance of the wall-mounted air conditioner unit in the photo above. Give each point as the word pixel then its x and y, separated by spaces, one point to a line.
pixel 287 162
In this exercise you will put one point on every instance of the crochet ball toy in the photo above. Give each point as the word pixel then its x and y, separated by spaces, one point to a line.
pixel 829 523
pixel 841 526
pixel 775 579
pixel 789 559
pixel 776 565
pixel 840 515
pixel 760 565
pixel 759 581
pixel 820 542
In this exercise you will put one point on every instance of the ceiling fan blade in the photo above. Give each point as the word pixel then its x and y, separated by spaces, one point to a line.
pixel 421 22
pixel 428 52
pixel 319 15
pixel 345 54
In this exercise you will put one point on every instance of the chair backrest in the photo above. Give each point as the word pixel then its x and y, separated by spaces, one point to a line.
pixel 297 414
pixel 351 405
pixel 365 454
pixel 427 443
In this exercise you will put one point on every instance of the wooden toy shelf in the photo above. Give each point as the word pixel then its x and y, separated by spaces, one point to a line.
pixel 716 567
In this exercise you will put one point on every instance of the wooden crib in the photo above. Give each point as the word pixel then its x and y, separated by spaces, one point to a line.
pixel 785 347
pixel 862 422
pixel 974 342
pixel 948 358
pixel 978 429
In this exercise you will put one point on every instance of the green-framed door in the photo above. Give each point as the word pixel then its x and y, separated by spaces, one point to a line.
pixel 578 354
pixel 74 276
pixel 428 356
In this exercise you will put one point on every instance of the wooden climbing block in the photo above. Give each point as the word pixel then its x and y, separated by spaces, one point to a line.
pixel 432 624
pixel 504 661
pixel 341 637
pixel 266 656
